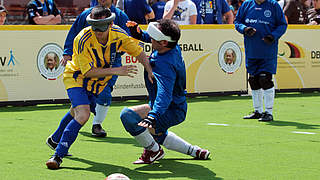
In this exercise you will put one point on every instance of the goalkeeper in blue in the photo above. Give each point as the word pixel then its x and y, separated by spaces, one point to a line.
pixel 262 23
pixel 149 123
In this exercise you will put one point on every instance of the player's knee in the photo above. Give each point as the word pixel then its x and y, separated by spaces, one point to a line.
pixel 130 119
pixel 265 80
pixel 126 117
pixel 254 82
pixel 82 118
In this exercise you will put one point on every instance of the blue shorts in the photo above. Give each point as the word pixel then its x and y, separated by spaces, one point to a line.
pixel 79 96
pixel 173 116
pixel 105 97
pixel 256 66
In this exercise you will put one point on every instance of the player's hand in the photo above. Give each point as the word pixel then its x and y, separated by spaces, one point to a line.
pixel 249 31
pixel 135 30
pixel 65 59
pixel 269 39
pixel 148 122
pixel 127 70
pixel 151 77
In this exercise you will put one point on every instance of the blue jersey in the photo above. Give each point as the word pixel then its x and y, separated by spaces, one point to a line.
pixel 81 23
pixel 136 10
pixel 45 9
pixel 93 3
pixel 158 9
pixel 169 87
pixel 268 19
pixel 211 11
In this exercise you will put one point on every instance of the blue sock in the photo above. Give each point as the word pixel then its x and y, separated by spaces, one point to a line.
pixel 68 137
pixel 56 136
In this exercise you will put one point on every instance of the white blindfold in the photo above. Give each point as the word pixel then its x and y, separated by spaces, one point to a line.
pixel 156 34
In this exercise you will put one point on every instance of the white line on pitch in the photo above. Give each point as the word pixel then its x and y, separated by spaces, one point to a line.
pixel 234 125
pixel 215 124
pixel 297 132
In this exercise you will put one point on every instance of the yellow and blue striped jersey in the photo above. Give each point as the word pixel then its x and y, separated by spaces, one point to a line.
pixel 89 53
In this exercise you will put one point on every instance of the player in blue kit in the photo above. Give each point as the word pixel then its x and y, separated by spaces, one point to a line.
pixel 149 123
pixel 104 98
pixel 262 22
pixel 137 10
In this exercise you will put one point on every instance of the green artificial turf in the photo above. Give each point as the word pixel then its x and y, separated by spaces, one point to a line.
pixel 240 149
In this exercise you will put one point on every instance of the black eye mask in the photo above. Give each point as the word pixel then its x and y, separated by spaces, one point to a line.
pixel 100 24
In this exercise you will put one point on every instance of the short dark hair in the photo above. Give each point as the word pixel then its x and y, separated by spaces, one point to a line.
pixel 170 28
pixel 99 11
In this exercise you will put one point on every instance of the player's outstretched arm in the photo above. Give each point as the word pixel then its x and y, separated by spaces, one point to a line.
pixel 143 59
pixel 127 70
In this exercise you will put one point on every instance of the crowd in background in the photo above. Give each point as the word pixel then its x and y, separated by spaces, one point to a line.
pixel 143 11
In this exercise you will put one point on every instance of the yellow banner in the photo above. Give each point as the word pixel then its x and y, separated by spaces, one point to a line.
pixel 299 58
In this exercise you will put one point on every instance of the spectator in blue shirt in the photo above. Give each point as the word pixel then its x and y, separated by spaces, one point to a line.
pixel 158 9
pixel 213 12
pixel 3 14
pixel 93 3
pixel 137 10
pixel 43 12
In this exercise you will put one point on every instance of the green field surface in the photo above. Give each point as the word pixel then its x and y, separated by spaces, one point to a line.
pixel 285 149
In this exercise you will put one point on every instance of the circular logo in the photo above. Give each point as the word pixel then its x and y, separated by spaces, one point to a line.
pixel 230 57
pixel 48 61
pixel 267 13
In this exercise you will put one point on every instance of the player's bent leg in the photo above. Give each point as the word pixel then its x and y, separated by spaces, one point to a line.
pixel 130 118
pixel 52 141
pixel 82 113
pixel 176 143
pixel 265 80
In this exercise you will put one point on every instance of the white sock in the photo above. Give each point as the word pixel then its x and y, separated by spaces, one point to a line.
pixel 257 98
pixel 175 143
pixel 269 99
pixel 101 113
pixel 146 140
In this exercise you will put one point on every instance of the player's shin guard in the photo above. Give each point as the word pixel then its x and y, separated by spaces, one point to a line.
pixel 56 136
pixel 175 143
pixel 101 114
pixel 130 120
pixel 257 99
pixel 269 99
pixel 68 137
